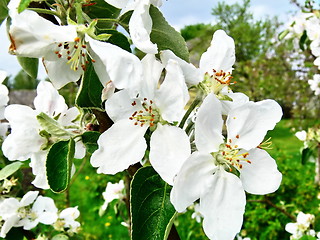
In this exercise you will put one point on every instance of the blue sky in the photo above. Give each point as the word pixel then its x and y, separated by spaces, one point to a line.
pixel 178 13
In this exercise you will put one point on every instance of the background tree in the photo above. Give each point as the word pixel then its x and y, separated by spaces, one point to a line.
pixel 265 67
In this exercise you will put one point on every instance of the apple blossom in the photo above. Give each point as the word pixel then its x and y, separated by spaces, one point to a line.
pixel 154 109
pixel 66 220
pixel 215 67
pixel 66 51
pixel 302 226
pixel 315 84
pixel 12 211
pixel 25 140
pixel 113 191
pixel 210 172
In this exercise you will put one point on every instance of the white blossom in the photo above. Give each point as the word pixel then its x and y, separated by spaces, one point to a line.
pixel 155 108
pixel 208 173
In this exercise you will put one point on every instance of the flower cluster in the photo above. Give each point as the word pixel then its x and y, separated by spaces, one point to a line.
pixel 33 209
pixel 213 155
pixel 303 227
pixel 308 24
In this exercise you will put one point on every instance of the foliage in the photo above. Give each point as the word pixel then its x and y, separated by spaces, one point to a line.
pixel 265 67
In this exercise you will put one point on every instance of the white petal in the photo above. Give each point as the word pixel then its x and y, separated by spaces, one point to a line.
pixel 171 103
pixel 248 124
pixel 120 105
pixel 291 228
pixel 3 75
pixel 220 55
pixel 208 125
pixel 192 74
pixel 151 76
pixel 19 115
pixel 119 147
pixel 60 72
pixel 45 209
pixel 67 117
pixel 28 198
pixel 140 26
pixel 169 149
pixel 123 68
pixel 38 165
pixel 34 36
pixel 262 175
pixel 21 144
pixel 80 150
pixel 222 206
pixel 8 224
pixel 238 99
pixel 192 180
pixel 48 100
pixel 28 223
pixel 117 3
pixel 9 207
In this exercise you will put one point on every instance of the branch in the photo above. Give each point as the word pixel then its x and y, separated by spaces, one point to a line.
pixel 280 209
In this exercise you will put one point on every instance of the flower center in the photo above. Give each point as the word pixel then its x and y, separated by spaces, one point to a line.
pixel 147 115
pixel 230 157
pixel 216 82
pixel 75 52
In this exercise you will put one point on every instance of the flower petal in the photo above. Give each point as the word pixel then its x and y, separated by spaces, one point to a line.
pixel 222 206
pixel 248 124
pixel 28 198
pixel 261 176
pixel 152 69
pixel 208 125
pixel 140 26
pixel 113 157
pixel 60 72
pixel 117 3
pixel 45 209
pixel 220 55
pixel 38 165
pixel 21 144
pixel 121 105
pixel 123 68
pixel 35 37
pixel 169 149
pixel 172 103
pixel 192 180
pixel 192 74
pixel 48 100
pixel 238 99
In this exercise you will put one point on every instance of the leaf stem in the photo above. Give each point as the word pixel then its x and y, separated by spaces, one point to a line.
pixel 45 11
pixel 193 105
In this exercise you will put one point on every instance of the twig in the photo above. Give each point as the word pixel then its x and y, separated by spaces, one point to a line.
pixel 268 202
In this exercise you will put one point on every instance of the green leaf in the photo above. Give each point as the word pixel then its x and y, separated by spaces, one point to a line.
pixel 307 153
pixel 51 126
pixel 58 165
pixel 29 65
pixel 90 139
pixel 23 5
pixel 89 95
pixel 100 9
pixel 165 36
pixel 151 210
pixel 3 10
pixel 119 40
pixel 9 170
pixel 303 40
